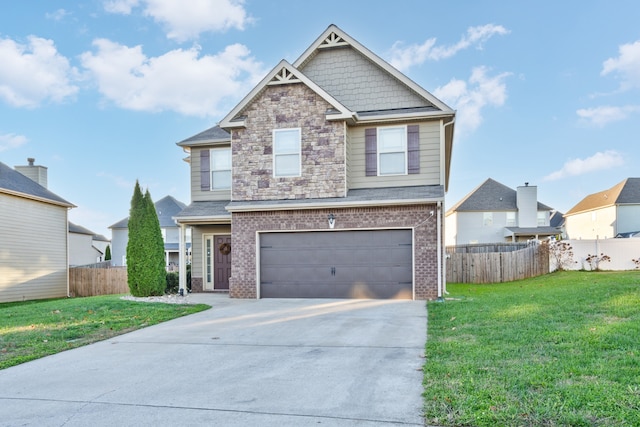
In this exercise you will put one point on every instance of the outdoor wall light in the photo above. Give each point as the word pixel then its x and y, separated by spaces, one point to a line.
pixel 332 220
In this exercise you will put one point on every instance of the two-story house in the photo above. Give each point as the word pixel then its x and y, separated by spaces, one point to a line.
pixel 326 181
pixel 166 209
pixel 34 246
pixel 494 213
pixel 610 213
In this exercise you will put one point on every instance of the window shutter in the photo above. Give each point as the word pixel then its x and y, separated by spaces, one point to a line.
pixel 413 149
pixel 371 151
pixel 205 173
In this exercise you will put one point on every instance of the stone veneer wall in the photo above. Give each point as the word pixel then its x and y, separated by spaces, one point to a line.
pixel 245 225
pixel 323 170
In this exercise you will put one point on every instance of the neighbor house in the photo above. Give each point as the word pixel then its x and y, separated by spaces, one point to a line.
pixel 326 180
pixel 494 213
pixel 33 236
pixel 166 208
pixel 606 214
pixel 85 246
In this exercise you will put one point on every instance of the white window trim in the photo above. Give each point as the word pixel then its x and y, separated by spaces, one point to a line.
pixel 212 170
pixel 299 153
pixel 406 150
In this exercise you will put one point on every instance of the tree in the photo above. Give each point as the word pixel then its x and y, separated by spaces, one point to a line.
pixel 145 247
pixel 135 244
pixel 155 254
pixel 107 253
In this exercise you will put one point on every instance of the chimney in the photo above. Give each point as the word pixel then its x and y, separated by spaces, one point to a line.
pixel 34 172
pixel 527 203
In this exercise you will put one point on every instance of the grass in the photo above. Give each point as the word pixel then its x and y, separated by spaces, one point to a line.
pixel 557 350
pixel 33 329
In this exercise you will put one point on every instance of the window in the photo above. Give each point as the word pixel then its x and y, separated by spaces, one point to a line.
pixel 511 219
pixel 220 168
pixel 487 219
pixel 542 218
pixel 286 152
pixel 392 151
pixel 164 234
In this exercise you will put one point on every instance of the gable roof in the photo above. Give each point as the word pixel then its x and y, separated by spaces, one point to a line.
pixel 334 37
pixel 166 208
pixel 284 73
pixel 14 183
pixel 625 192
pixel 490 196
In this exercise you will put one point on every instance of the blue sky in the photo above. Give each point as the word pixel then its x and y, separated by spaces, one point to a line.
pixel 546 92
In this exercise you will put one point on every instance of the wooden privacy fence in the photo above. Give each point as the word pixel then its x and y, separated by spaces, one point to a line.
pixel 495 267
pixel 87 281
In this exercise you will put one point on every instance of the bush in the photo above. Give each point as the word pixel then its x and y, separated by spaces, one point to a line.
pixel 173 283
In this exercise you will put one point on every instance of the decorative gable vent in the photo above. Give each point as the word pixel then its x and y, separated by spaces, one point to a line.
pixel 333 40
pixel 284 77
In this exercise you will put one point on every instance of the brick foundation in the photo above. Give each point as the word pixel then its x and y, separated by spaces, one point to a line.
pixel 196 284
pixel 245 225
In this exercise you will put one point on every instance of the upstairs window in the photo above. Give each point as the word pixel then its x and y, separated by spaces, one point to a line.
pixel 511 219
pixel 286 152
pixel 392 150
pixel 542 218
pixel 487 219
pixel 215 169
pixel 220 168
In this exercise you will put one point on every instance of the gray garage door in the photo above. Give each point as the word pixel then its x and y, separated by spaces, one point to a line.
pixel 338 264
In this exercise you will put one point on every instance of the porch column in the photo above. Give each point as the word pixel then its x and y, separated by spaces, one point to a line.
pixel 182 260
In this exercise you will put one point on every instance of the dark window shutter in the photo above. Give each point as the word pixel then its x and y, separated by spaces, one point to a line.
pixel 371 151
pixel 205 173
pixel 413 149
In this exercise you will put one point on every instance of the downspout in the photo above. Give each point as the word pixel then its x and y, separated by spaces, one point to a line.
pixel 441 283
pixel 182 261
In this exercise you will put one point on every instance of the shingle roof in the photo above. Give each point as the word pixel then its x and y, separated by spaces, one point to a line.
pixel 211 135
pixel 205 209
pixel 166 208
pixel 426 193
pixel 490 196
pixel 13 182
pixel 625 192
pixel 78 229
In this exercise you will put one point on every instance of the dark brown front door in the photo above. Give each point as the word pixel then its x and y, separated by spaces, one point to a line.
pixel 222 262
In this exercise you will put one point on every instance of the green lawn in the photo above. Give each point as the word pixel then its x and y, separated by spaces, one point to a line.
pixel 33 329
pixel 557 350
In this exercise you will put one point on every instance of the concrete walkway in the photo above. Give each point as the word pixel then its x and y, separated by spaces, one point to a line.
pixel 242 363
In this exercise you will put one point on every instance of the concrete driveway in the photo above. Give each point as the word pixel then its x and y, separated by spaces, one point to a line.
pixel 274 362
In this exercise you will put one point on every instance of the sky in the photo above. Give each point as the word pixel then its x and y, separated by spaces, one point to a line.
pixel 100 91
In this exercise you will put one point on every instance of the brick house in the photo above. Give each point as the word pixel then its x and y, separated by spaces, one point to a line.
pixel 326 181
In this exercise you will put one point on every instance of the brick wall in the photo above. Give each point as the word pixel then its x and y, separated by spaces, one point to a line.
pixel 245 225
pixel 323 172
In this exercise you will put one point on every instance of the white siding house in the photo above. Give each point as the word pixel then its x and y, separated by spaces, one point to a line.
pixel 494 213
pixel 606 214
pixel 33 239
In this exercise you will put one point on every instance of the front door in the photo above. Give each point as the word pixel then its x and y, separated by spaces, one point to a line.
pixel 217 262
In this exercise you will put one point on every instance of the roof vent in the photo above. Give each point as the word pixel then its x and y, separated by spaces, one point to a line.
pixel 31 160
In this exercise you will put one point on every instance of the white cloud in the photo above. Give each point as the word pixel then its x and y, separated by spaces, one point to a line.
pixel 11 140
pixel 626 65
pixel 469 98
pixel 120 6
pixel 183 22
pixel 404 57
pixel 603 115
pixel 180 80
pixel 599 161
pixel 58 15
pixel 33 73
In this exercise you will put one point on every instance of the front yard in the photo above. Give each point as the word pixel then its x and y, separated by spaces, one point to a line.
pixel 33 329
pixel 561 349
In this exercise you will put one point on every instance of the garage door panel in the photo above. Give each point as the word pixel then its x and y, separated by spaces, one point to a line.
pixel 338 264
